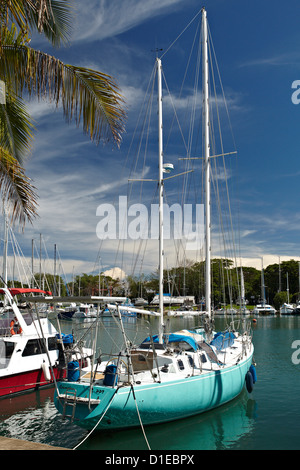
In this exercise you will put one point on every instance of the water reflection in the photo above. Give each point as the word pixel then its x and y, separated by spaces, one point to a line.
pixel 33 417
pixel 240 424
pixel 214 430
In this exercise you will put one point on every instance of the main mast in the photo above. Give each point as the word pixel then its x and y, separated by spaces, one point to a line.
pixel 161 189
pixel 206 164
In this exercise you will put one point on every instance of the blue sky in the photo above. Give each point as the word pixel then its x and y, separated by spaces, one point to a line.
pixel 257 47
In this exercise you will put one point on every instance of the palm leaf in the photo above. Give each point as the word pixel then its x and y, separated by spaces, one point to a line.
pixel 51 17
pixel 85 94
pixel 14 11
pixel 16 128
pixel 17 193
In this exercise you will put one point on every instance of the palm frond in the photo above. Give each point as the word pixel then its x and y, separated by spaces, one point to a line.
pixel 53 18
pixel 85 94
pixel 16 127
pixel 14 11
pixel 17 193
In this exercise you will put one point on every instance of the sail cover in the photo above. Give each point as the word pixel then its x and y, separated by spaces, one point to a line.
pixel 174 338
pixel 223 340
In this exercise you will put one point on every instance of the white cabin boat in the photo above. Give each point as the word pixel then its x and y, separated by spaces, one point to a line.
pixel 287 309
pixel 33 353
pixel 264 309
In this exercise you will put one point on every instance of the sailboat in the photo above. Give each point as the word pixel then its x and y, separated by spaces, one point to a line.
pixel 33 353
pixel 169 376
pixel 243 310
pixel 287 308
pixel 263 308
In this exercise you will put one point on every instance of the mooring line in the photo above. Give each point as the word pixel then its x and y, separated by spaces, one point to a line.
pixel 97 424
pixel 138 413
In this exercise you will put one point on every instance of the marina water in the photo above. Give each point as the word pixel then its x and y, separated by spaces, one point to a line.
pixel 268 418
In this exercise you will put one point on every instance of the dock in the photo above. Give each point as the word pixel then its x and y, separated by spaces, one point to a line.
pixel 8 443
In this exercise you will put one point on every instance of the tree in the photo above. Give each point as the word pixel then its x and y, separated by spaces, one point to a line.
pixel 252 282
pixel 279 299
pixel 86 95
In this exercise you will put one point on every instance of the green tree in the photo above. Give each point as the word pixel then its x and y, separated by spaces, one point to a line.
pixel 279 299
pixel 86 95
pixel 52 283
pixel 290 268
pixel 252 282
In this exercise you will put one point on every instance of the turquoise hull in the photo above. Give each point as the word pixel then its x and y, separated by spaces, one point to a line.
pixel 156 402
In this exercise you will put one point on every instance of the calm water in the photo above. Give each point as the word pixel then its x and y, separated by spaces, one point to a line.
pixel 269 418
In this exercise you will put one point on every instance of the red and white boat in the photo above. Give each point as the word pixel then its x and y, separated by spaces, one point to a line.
pixel 32 352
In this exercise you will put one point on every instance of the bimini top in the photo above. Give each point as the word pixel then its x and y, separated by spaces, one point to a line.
pixel 25 290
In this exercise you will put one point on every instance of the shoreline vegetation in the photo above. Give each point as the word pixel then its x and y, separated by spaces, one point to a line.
pixel 188 280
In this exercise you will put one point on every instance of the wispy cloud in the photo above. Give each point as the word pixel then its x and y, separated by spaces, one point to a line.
pixel 289 58
pixel 105 18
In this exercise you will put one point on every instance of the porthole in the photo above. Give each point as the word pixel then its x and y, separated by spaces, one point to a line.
pixel 191 361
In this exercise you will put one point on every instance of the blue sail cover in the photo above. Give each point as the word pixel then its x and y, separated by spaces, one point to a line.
pixel 175 338
pixel 223 340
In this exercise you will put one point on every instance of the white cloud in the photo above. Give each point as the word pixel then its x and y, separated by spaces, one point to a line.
pixel 115 273
pixel 287 58
pixel 40 108
pixel 105 18
pixel 267 259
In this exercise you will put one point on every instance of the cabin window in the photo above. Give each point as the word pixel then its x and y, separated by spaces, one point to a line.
pixel 36 346
pixel 180 364
pixel 203 358
pixel 52 344
pixel 9 349
pixel 6 350
pixel 33 347
pixel 191 361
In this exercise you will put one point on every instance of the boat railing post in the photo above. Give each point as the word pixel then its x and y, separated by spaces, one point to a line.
pixel 117 370
pixel 130 367
pixel 47 351
pixel 200 361
pixel 155 359
pixel 92 378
